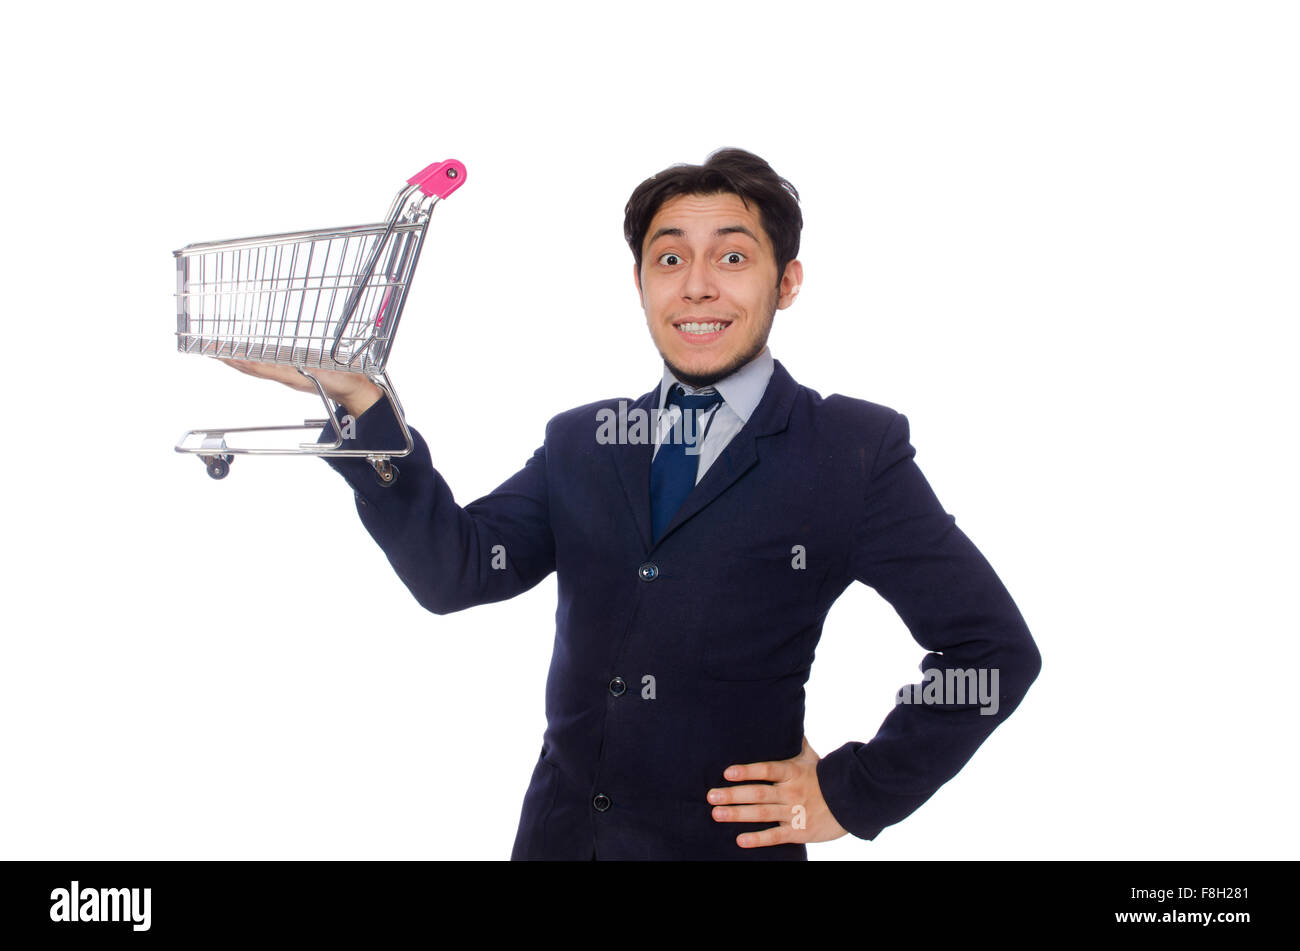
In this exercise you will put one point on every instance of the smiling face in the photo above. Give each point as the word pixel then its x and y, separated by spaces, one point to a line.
pixel 708 285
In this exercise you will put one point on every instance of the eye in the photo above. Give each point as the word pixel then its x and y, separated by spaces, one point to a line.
pixel 730 257
pixel 663 258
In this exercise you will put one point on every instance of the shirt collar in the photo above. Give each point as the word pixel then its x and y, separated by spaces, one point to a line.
pixel 741 390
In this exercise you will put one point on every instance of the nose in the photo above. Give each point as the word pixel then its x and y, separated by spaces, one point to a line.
pixel 699 281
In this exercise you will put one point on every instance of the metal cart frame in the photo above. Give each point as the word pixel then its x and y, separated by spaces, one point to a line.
pixel 329 299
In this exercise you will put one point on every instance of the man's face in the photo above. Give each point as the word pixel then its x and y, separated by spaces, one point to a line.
pixel 708 285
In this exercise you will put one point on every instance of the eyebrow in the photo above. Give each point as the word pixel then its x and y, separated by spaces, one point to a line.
pixel 679 233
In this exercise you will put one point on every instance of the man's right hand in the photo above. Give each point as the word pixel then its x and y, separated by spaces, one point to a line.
pixel 353 390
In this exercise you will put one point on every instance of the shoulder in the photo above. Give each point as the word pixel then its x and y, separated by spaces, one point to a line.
pixel 589 413
pixel 850 409
pixel 846 431
pixel 846 416
pixel 581 425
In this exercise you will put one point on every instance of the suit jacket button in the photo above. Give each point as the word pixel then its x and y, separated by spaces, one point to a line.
pixel 618 686
pixel 648 572
pixel 601 802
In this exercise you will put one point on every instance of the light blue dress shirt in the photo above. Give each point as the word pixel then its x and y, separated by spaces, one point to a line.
pixel 741 392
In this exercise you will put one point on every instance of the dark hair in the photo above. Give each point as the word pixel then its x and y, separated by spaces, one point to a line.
pixel 726 170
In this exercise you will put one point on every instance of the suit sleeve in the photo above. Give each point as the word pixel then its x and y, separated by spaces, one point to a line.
pixel 913 554
pixel 449 557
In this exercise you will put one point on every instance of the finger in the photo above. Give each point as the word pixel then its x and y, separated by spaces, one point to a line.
pixel 764 813
pixel 289 376
pixel 245 366
pixel 774 771
pixel 743 794
pixel 757 840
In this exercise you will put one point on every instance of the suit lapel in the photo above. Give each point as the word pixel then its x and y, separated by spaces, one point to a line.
pixel 633 461
pixel 633 464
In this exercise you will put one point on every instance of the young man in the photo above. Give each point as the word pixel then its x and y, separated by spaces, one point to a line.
pixel 700 534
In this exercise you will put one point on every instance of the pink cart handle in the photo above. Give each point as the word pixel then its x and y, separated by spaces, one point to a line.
pixel 440 178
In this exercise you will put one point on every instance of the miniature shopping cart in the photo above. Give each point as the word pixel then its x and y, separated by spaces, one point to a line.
pixel 314 300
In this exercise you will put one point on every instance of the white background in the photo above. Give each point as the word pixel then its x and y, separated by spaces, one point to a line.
pixel 1060 237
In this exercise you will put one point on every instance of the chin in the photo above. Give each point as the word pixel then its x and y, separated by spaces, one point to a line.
pixel 702 373
pixel 699 369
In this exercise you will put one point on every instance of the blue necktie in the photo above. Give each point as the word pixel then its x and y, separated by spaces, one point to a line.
pixel 672 475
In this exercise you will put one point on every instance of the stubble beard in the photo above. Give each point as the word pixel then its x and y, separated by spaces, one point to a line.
pixel 708 379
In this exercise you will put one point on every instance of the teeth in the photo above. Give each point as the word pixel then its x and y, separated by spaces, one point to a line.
pixel 696 328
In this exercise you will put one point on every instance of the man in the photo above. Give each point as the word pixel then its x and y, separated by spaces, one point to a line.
pixel 700 534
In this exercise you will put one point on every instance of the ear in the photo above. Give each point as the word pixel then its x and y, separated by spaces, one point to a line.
pixel 790 283
pixel 636 277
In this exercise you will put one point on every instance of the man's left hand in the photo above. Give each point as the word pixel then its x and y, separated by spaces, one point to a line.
pixel 794 800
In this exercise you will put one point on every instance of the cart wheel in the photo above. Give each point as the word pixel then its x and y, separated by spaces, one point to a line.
pixel 387 474
pixel 218 468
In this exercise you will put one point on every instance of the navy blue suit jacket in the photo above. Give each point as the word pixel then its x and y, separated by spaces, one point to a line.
pixel 718 613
